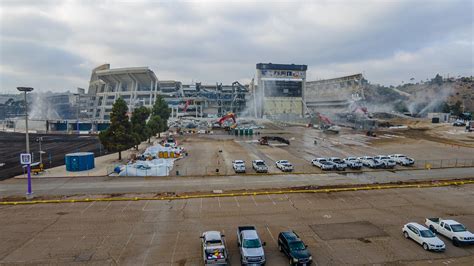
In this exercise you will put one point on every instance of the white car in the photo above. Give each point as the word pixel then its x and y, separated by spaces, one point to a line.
pixel 371 162
pixel 338 163
pixel 423 236
pixel 353 162
pixel 259 166
pixel 388 162
pixel 239 166
pixel 323 163
pixel 402 159
pixel 284 165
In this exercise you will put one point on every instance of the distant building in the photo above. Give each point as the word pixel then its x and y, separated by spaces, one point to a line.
pixel 334 95
pixel 138 86
pixel 280 89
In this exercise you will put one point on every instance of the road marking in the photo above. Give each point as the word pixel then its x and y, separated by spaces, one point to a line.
pixel 123 249
pixel 291 202
pixel 219 201
pixel 126 206
pixel 254 202
pixel 236 201
pixel 90 205
pixel 174 249
pixel 106 207
pixel 310 202
pixel 144 206
pixel 201 204
pixel 274 203
pixel 268 229
pixel 148 249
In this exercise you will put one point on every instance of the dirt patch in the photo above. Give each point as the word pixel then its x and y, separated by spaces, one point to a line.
pixel 355 230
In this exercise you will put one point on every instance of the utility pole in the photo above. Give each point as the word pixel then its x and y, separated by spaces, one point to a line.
pixel 29 194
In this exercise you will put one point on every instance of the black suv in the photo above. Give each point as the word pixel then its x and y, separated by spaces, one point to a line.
pixel 294 248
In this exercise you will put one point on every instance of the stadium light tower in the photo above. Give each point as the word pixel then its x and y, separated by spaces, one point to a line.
pixel 29 194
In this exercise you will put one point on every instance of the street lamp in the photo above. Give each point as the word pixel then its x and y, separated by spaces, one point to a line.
pixel 29 194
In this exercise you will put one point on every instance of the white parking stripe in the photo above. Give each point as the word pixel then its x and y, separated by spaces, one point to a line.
pixel 254 202
pixel 236 201
pixel 174 249
pixel 274 203
pixel 270 233
pixel 148 249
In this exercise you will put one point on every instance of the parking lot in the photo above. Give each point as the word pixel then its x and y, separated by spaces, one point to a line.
pixel 213 154
pixel 361 227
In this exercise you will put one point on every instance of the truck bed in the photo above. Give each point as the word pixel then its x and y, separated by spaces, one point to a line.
pixel 434 220
pixel 247 227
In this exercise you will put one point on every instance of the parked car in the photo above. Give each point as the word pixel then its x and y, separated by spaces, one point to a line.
pixel 402 159
pixel 371 162
pixel 239 166
pixel 214 251
pixel 284 165
pixel 451 229
pixel 323 163
pixel 423 236
pixel 294 248
pixel 387 161
pixel 353 162
pixel 459 123
pixel 338 162
pixel 259 166
pixel 250 246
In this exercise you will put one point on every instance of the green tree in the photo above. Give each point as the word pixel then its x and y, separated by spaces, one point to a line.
pixel 155 125
pixel 456 109
pixel 161 108
pixel 117 137
pixel 445 107
pixel 138 120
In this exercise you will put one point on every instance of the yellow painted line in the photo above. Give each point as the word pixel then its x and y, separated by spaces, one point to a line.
pixel 242 194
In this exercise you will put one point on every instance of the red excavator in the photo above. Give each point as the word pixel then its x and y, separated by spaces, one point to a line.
pixel 326 125
pixel 222 121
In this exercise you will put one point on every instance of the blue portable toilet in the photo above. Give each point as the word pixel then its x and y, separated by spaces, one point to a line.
pixel 79 161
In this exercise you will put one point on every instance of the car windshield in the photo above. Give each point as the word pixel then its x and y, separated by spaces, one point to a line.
pixel 297 245
pixel 251 243
pixel 458 228
pixel 260 163
pixel 427 233
pixel 284 162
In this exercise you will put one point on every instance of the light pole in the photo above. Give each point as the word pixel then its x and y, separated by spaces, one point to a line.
pixel 29 194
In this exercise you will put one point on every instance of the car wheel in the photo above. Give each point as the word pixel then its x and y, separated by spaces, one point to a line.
pixel 405 234
pixel 425 246
pixel 279 248
pixel 291 262
pixel 455 242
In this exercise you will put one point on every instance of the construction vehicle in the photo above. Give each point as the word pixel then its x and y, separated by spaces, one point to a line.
pixel 326 125
pixel 221 123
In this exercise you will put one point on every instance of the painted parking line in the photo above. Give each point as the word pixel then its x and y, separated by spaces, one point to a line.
pixel 124 247
pixel 174 249
pixel 148 249
pixel 237 202
pixel 274 203
pixel 254 202
pixel 90 205
pixel 270 233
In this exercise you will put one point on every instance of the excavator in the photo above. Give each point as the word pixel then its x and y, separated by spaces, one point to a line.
pixel 326 125
pixel 222 121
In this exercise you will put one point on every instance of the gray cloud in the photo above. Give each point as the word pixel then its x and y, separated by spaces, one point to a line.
pixel 59 42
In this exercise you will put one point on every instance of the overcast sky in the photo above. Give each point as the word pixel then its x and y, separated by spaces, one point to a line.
pixel 53 45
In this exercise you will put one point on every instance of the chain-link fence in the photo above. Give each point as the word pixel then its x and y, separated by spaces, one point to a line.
pixel 222 170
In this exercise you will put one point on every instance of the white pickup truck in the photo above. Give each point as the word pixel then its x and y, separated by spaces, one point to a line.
pixel 259 166
pixel 452 230
pixel 239 166
pixel 250 246
pixel 214 251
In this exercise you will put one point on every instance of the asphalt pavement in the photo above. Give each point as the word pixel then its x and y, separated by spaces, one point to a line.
pixel 108 185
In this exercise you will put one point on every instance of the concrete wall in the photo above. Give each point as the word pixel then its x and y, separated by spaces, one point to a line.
pixel 283 105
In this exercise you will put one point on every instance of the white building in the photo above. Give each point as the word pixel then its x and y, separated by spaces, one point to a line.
pixel 136 85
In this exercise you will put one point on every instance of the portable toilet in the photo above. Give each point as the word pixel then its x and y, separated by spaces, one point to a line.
pixel 79 161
